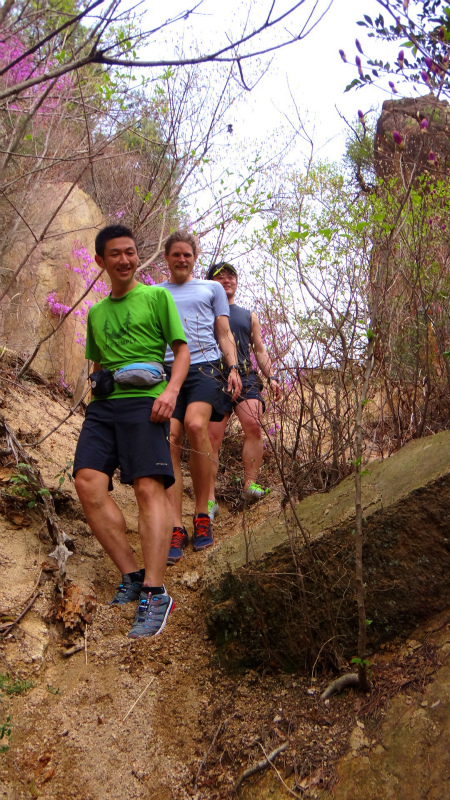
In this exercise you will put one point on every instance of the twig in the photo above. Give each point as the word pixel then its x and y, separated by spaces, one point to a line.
pixel 85 644
pixel 222 725
pixel 10 625
pixel 137 701
pixel 70 414
pixel 318 654
pixel 261 765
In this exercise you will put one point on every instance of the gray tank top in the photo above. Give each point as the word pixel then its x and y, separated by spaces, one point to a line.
pixel 241 328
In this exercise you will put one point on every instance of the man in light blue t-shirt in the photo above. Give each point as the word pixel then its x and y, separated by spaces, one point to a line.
pixel 204 311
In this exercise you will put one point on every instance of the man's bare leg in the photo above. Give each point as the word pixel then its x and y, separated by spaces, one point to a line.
pixel 249 414
pixel 155 527
pixel 175 493
pixel 105 518
pixel 200 462
pixel 216 432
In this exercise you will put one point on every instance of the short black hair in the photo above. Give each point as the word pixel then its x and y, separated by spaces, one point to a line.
pixel 111 232
pixel 219 267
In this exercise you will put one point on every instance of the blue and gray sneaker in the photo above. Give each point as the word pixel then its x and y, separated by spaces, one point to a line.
pixel 151 615
pixel 127 592
pixel 180 540
pixel 203 535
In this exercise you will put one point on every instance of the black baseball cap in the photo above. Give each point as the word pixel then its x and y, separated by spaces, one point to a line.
pixel 216 268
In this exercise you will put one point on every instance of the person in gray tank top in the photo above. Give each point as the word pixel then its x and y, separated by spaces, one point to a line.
pixel 249 406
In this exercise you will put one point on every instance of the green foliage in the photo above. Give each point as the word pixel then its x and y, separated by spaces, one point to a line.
pixel 65 472
pixel 10 686
pixel 5 733
pixel 359 152
pixel 24 485
pixel 419 32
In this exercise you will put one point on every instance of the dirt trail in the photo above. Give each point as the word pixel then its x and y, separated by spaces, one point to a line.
pixel 154 719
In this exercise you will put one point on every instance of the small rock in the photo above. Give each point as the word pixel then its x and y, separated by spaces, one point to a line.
pixel 190 579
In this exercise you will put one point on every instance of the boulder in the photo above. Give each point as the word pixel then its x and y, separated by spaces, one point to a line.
pixel 26 315
pixel 405 116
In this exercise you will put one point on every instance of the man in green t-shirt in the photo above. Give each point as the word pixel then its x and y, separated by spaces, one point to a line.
pixel 128 425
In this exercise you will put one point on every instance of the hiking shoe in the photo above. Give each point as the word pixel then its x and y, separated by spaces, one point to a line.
pixel 213 509
pixel 203 535
pixel 127 592
pixel 254 493
pixel 180 540
pixel 151 616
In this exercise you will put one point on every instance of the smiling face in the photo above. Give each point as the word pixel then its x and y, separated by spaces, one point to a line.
pixel 180 261
pixel 229 282
pixel 120 260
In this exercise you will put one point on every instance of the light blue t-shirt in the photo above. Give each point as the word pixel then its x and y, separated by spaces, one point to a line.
pixel 198 303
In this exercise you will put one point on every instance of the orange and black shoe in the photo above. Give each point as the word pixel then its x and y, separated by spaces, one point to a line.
pixel 203 535
pixel 180 540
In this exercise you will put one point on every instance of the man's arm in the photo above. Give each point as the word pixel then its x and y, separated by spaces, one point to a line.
pixel 262 357
pixel 164 404
pixel 227 347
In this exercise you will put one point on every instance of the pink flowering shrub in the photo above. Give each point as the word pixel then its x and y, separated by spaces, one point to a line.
pixel 67 386
pixel 84 266
pixel 12 49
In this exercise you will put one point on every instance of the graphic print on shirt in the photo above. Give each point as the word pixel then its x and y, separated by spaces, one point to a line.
pixel 118 336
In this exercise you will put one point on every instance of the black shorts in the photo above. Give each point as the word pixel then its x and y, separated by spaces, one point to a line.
pixel 251 390
pixel 203 383
pixel 119 432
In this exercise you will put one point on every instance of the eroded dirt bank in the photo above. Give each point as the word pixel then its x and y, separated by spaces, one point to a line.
pixel 151 719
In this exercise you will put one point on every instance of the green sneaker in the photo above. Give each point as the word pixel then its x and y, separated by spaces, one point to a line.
pixel 254 493
pixel 213 509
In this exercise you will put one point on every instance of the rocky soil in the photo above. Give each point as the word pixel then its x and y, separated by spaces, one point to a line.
pixel 162 719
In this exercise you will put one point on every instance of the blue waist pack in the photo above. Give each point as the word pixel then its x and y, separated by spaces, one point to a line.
pixel 146 373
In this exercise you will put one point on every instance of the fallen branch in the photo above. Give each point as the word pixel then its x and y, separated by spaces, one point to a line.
pixel 351 679
pixel 260 765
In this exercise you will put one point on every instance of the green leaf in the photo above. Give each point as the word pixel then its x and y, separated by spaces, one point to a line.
pixel 355 82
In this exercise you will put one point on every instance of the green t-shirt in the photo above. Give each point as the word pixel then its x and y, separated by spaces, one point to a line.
pixel 135 327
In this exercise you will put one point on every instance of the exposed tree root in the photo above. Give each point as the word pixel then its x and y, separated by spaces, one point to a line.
pixel 260 765
pixel 351 679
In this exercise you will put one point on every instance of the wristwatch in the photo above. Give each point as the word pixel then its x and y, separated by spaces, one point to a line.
pixel 234 366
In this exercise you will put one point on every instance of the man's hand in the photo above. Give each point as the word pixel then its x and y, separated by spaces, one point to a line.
pixel 234 384
pixel 275 388
pixel 164 405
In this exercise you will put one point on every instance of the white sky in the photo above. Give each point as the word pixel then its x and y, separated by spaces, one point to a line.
pixel 311 70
